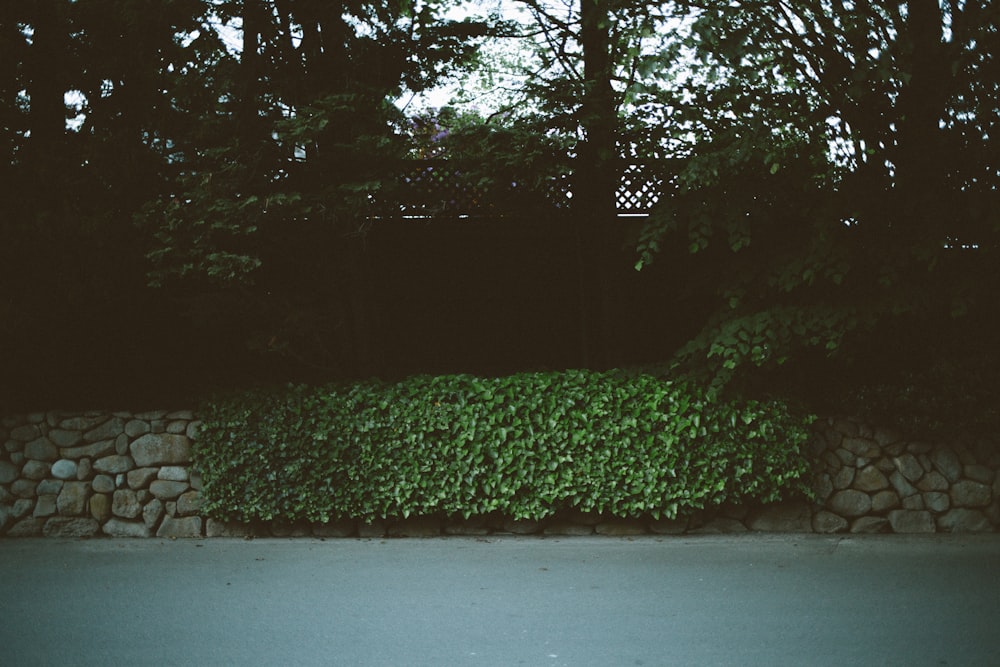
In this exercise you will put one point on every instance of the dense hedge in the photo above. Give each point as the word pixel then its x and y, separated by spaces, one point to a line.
pixel 524 446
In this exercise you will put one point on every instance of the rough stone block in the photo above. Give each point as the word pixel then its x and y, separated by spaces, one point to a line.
pixel 946 461
pixel 850 503
pixel 25 433
pixel 84 469
pixel 666 526
pixel 903 487
pixel 109 430
pixel 100 506
pixel 23 488
pixel 82 423
pixel 870 479
pixel 884 500
pixel 45 506
pixel 188 503
pixel 35 470
pixel 828 522
pixel 843 478
pixel 911 521
pixel 418 526
pixel 136 427
pixel 91 451
pixel 49 486
pixel 978 473
pixel 909 467
pixel 173 474
pixel 343 528
pixel 62 438
pixel 62 526
pixel 118 528
pixel 933 481
pixel 864 447
pixel 166 490
pixel 72 499
pixel 27 527
pixel 964 521
pixel 8 472
pixel 140 478
pixel 936 501
pixel 189 526
pixel 870 524
pixel 216 528
pixel 967 494
pixel 114 464
pixel 152 512
pixel 622 527
pixel 914 503
pixel 787 517
pixel 41 449
pixel 103 484
pixel 126 504
pixel 157 449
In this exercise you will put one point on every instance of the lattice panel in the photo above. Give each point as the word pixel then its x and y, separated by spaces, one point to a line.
pixel 639 190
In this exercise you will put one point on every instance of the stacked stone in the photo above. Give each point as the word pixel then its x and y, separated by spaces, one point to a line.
pixel 873 480
pixel 80 475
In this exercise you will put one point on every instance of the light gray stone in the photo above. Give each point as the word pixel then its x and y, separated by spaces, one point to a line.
pixel 850 503
pixel 25 433
pixel 125 504
pixel 41 449
pixel 936 501
pixel 192 430
pixel 158 426
pixel 173 474
pixel 870 524
pixel 64 469
pixel 141 477
pixel 186 415
pixel 8 472
pixel 828 522
pixel 963 494
pixel 61 438
pixel 884 500
pixel 933 481
pixel 103 484
pixel 911 521
pixel 188 503
pixel 909 467
pixel 151 415
pixel 964 521
pixel 35 470
pixel 161 449
pixel 72 499
pixel 115 527
pixel 91 451
pixel 786 517
pixel 62 526
pixel 109 430
pixel 49 486
pixel 913 502
pixel 885 465
pixel 100 506
pixel 152 512
pixel 137 427
pixel 946 461
pixel 870 479
pixel 903 487
pixel 195 480
pixel 189 526
pixel 114 464
pixel 166 490
pixel 45 506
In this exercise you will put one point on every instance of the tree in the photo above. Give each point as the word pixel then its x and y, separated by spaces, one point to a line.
pixel 839 159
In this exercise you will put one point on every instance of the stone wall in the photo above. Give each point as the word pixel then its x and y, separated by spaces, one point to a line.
pixel 129 475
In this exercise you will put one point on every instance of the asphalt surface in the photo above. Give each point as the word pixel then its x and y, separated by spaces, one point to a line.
pixel 743 600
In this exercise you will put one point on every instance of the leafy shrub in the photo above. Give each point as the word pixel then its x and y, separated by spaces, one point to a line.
pixel 524 446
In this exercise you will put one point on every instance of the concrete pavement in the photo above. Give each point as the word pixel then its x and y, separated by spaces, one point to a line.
pixel 706 600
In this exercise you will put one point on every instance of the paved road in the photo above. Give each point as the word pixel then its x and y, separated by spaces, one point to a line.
pixel 744 600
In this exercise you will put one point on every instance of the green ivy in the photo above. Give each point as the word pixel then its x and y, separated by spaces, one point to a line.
pixel 525 446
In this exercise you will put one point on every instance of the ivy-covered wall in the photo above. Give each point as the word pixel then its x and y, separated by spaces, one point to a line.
pixel 129 474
